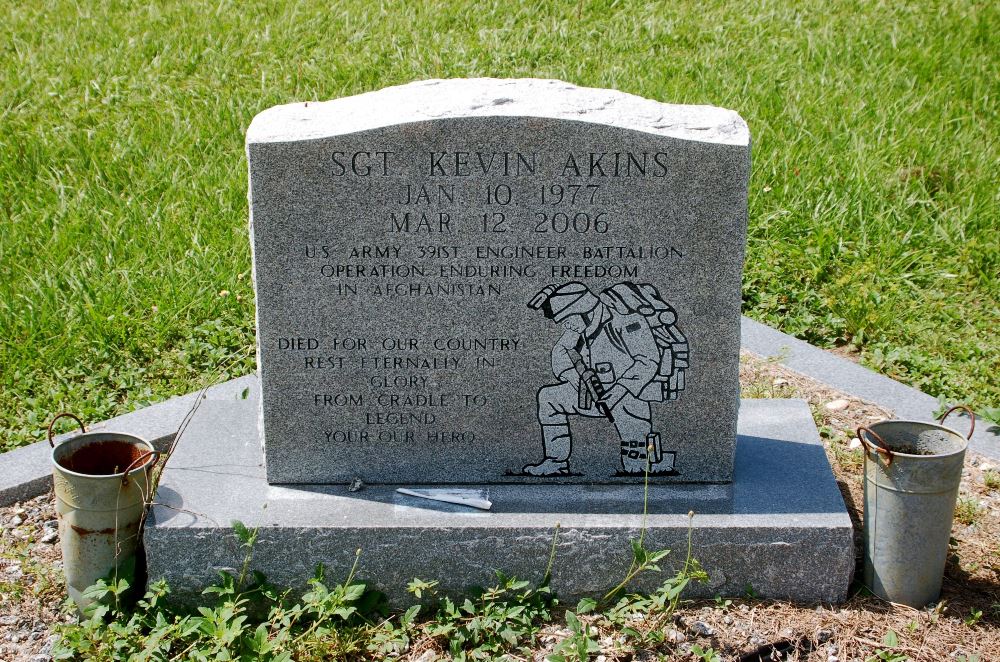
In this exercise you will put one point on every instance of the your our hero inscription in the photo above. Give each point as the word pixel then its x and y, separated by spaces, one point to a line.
pixel 482 281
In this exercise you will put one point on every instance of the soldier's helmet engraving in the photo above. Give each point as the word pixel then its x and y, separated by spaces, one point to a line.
pixel 620 351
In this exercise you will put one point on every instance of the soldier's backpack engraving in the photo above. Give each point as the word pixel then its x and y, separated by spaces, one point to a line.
pixel 645 299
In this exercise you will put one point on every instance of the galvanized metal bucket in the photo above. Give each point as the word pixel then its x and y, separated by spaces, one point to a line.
pixel 102 483
pixel 912 474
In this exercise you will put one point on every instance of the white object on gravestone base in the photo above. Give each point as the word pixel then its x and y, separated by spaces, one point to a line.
pixel 471 498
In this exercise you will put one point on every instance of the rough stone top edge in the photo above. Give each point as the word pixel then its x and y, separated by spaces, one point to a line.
pixel 438 99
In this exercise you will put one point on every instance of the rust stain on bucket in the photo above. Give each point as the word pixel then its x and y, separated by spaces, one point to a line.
pixel 103 458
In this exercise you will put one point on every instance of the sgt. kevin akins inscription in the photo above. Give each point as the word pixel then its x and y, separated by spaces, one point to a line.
pixel 484 281
pixel 620 351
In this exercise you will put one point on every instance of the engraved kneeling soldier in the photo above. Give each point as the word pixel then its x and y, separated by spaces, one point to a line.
pixel 610 363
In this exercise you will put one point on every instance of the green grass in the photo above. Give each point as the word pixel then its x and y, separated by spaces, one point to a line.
pixel 873 200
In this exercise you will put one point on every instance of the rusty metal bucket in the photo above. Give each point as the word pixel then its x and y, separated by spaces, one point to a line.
pixel 912 474
pixel 102 482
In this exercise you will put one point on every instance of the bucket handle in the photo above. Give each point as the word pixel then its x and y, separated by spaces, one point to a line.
pixel 881 447
pixel 138 462
pixel 972 418
pixel 64 414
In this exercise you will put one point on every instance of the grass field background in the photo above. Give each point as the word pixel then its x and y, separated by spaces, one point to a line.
pixel 124 258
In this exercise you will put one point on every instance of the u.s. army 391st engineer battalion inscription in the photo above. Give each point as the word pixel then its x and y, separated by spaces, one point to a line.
pixel 483 281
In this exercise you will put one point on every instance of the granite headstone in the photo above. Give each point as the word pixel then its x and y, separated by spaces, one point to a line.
pixel 492 281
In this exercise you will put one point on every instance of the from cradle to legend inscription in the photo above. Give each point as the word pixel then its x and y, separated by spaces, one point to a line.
pixel 493 299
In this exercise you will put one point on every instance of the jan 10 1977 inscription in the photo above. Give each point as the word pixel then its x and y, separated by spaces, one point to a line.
pixel 488 300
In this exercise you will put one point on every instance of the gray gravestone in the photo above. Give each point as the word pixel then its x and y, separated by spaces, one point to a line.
pixel 481 282
pixel 484 281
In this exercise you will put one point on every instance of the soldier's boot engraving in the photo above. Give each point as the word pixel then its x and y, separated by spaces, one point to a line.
pixel 636 455
pixel 635 430
pixel 557 443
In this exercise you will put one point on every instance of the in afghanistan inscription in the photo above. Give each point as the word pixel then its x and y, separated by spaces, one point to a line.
pixel 480 281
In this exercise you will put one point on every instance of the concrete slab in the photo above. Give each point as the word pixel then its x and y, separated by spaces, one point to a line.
pixel 780 527
pixel 905 401
pixel 27 472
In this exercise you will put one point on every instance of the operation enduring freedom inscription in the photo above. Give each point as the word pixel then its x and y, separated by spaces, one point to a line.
pixel 536 284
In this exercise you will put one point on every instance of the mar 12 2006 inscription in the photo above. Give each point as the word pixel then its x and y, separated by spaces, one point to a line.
pixel 480 281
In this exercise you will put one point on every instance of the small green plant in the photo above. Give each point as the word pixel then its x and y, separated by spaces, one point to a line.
pixel 850 460
pixel 723 604
pixel 888 654
pixel 943 405
pixel 991 479
pixel 706 654
pixel 578 646
pixel 968 511
pixel 224 627
pixel 991 415
pixel 643 560
pixel 657 608
pixel 418 587
pixel 975 615
pixel 241 616
pixel 493 621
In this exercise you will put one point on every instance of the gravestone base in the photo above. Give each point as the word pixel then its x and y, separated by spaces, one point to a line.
pixel 780 527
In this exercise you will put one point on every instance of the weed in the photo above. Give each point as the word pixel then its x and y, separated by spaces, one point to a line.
pixel 723 604
pixel 242 616
pixel 943 405
pixel 223 628
pixel 991 479
pixel 975 615
pixel 657 608
pixel 890 641
pixel 643 560
pixel 991 415
pixel 968 511
pixel 579 645
pixel 850 460
pixel 418 587
pixel 492 621
pixel 706 654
